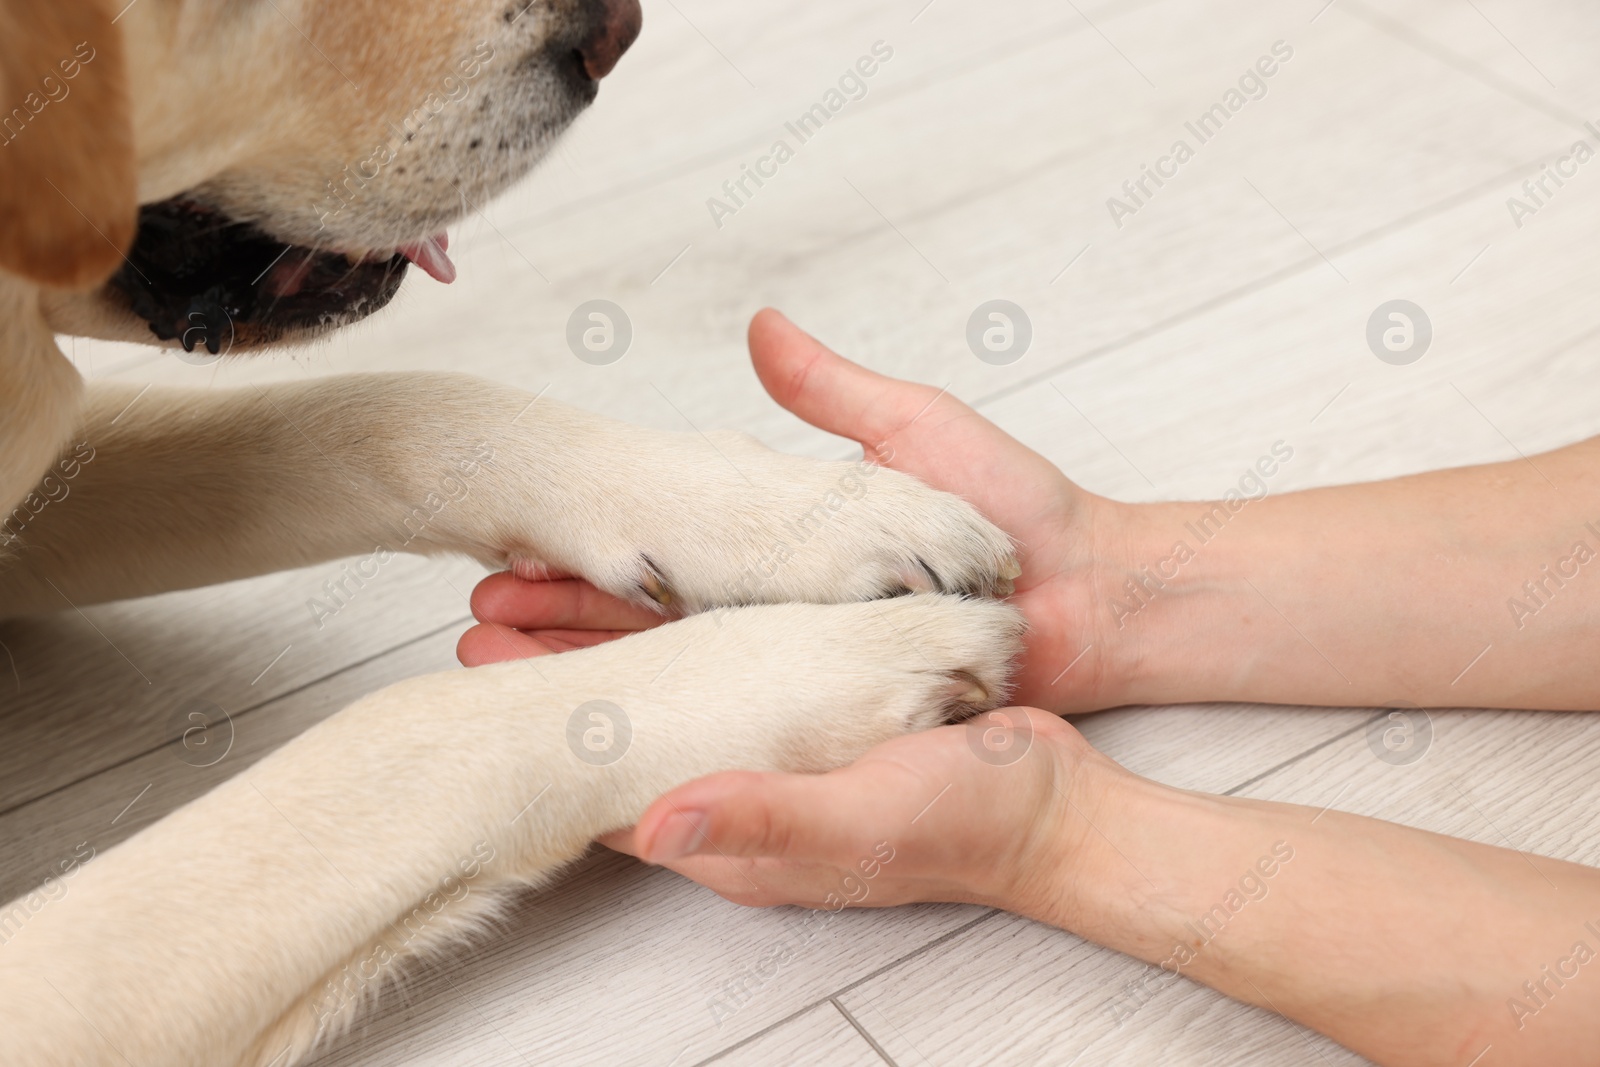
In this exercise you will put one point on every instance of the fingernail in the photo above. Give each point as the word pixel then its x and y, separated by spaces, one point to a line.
pixel 682 834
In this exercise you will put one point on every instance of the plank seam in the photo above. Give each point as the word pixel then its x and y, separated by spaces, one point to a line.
pixel 1313 750
pixel 935 943
pixel 1259 285
pixel 862 1030
pixel 1421 42
pixel 249 710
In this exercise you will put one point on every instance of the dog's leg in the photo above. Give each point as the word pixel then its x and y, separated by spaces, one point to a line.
pixel 40 395
pixel 246 925
pixel 167 489
pixel 182 488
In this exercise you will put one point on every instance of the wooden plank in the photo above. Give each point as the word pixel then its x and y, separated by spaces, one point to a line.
pixel 1522 780
pixel 823 1037
pixel 1049 997
pixel 623 964
pixel 113 804
pixel 1539 53
pixel 83 692
pixel 1019 206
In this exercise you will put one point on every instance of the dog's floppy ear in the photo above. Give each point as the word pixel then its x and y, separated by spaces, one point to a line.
pixel 68 188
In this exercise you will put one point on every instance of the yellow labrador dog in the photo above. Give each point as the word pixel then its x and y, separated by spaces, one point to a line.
pixel 226 174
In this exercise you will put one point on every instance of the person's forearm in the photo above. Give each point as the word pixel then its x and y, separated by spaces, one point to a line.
pixel 1408 947
pixel 1470 587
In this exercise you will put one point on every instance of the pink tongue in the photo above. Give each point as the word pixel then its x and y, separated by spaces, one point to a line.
pixel 430 256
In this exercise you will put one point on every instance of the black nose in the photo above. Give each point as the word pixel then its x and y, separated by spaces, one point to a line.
pixel 615 27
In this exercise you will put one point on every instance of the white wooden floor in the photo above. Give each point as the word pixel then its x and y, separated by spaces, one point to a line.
pixel 1228 313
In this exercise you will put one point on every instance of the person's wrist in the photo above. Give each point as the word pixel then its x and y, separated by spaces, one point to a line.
pixel 1117 886
pixel 1064 854
pixel 1108 600
pixel 1150 591
pixel 1134 862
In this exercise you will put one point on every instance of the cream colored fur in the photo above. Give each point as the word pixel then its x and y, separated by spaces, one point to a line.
pixel 249 926
pixel 228 933
pixel 207 486
pixel 213 936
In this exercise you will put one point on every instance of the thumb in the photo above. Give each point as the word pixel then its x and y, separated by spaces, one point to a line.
pixel 779 816
pixel 827 390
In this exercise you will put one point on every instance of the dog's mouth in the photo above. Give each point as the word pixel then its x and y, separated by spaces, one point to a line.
pixel 203 279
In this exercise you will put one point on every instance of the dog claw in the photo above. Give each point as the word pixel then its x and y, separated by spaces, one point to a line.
pixel 1010 570
pixel 920 578
pixel 966 689
pixel 652 584
pixel 1005 587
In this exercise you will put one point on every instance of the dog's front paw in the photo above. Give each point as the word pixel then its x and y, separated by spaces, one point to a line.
pixel 691 523
pixel 839 679
pixel 779 687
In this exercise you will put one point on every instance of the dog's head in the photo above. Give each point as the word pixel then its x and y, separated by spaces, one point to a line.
pixel 232 173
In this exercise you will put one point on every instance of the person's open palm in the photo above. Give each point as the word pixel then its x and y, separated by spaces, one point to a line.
pixel 906 426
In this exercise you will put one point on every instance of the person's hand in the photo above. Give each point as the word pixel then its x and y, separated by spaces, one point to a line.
pixel 919 818
pixel 1062 530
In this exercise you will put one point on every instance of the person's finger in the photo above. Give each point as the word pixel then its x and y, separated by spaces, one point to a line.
pixel 916 429
pixel 491 643
pixel 827 390
pixel 796 817
pixel 734 878
pixel 562 604
pixel 568 640
pixel 621 841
